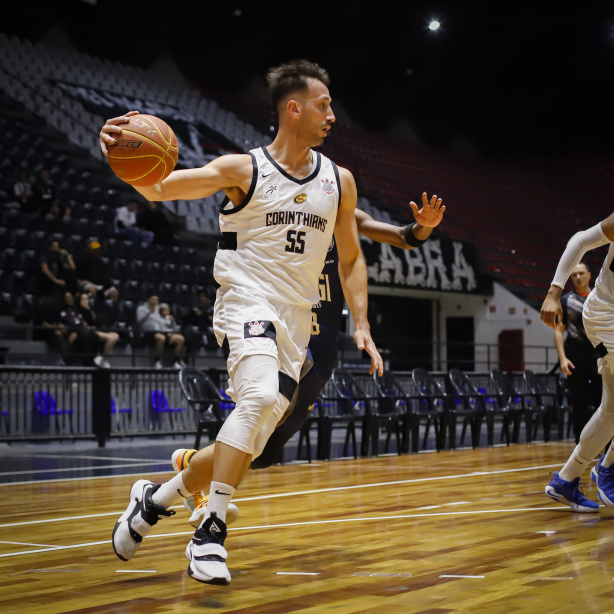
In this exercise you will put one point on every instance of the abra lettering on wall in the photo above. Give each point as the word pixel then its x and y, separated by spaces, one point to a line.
pixel 439 264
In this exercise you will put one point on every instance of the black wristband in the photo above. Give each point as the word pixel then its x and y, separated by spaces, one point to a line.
pixel 410 238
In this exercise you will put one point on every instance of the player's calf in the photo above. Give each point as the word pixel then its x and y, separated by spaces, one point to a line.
pixel 197 503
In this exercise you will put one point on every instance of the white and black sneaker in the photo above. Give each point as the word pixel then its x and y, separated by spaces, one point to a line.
pixel 207 554
pixel 136 522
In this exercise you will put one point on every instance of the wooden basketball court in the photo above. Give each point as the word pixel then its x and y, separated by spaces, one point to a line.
pixel 460 531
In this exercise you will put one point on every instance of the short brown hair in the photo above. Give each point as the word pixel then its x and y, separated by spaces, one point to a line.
pixel 292 77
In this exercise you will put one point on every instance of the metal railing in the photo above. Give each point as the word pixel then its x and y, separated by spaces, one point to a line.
pixel 69 403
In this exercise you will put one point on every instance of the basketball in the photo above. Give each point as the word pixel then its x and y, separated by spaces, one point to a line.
pixel 145 153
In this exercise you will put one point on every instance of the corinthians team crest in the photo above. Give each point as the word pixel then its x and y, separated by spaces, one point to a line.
pixel 328 186
pixel 256 328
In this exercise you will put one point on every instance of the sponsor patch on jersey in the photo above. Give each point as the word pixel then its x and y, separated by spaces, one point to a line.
pixel 328 186
pixel 270 191
pixel 301 198
pixel 259 328
pixel 331 245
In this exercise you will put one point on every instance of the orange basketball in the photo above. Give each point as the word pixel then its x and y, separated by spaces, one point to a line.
pixel 145 153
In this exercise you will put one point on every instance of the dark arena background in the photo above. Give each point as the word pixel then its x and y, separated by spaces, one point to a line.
pixel 424 495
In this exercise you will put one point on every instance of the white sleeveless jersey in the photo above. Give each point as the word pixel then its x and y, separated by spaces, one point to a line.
pixel 604 285
pixel 275 242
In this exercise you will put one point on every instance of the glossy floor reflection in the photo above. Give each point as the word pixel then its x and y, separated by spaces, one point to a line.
pixel 460 531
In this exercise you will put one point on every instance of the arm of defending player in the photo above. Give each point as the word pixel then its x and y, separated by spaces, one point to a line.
pixel 427 218
pixel 559 343
pixel 353 270
pixel 231 171
pixel 578 245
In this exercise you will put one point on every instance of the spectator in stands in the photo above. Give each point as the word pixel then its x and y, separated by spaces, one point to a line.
pixel 56 209
pixel 152 218
pixel 126 224
pixel 79 338
pixel 156 334
pixel 198 325
pixel 168 319
pixel 48 328
pixel 108 339
pixel 44 190
pixel 23 191
pixel 92 272
pixel 106 308
pixel 577 356
pixel 58 272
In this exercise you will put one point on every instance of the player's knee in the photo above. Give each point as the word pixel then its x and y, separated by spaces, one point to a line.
pixel 258 393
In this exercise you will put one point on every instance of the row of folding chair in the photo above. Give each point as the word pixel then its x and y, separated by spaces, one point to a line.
pixel 404 409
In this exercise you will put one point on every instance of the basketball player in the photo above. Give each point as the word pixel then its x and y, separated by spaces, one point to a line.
pixel 598 316
pixel 326 321
pixel 283 203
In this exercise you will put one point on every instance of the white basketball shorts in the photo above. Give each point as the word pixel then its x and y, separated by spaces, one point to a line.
pixel 246 323
pixel 598 318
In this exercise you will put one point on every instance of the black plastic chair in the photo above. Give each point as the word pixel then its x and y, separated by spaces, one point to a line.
pixel 546 406
pixel 495 405
pixel 430 408
pixel 204 397
pixel 345 407
pixel 395 403
pixel 317 417
pixel 469 404
pixel 509 403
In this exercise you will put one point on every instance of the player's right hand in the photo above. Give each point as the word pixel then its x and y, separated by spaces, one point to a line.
pixel 111 129
pixel 567 366
pixel 364 341
pixel 551 311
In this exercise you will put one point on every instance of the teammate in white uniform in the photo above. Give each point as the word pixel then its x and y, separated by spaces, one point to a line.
pixel 598 318
pixel 285 201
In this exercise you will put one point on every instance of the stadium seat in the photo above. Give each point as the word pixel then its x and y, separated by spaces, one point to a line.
pixel 159 406
pixel 45 406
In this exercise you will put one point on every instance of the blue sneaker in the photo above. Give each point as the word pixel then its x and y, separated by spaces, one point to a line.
pixel 605 484
pixel 570 494
pixel 595 470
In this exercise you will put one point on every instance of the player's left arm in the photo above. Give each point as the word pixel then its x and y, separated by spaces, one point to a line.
pixel 405 237
pixel 353 270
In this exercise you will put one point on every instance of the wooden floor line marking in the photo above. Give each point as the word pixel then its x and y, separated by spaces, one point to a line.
pixel 127 475
pixel 108 476
pixel 553 578
pixel 295 493
pixel 396 482
pixel 85 456
pixel 298 573
pixel 93 467
pixel 136 571
pixel 453 576
pixel 306 523
pixel 28 544
pixel 55 571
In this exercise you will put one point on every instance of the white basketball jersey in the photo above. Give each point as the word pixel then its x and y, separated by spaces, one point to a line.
pixel 276 240
pixel 605 281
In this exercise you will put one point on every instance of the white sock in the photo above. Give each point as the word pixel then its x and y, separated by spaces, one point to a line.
pixel 219 498
pixel 608 459
pixel 574 467
pixel 171 492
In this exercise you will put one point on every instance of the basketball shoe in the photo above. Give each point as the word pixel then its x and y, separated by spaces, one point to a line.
pixel 207 554
pixel 604 480
pixel 136 522
pixel 595 470
pixel 570 494
pixel 197 503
